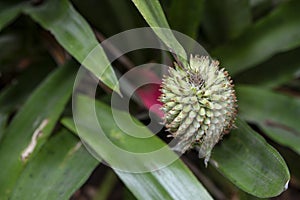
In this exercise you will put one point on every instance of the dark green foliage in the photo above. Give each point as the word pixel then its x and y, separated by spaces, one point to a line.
pixel 44 43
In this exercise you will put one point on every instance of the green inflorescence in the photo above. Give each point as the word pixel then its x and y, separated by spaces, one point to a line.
pixel 199 103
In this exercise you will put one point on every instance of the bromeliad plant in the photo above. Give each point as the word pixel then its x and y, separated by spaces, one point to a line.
pixel 257 42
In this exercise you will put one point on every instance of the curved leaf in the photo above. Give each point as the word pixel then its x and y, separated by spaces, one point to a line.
pixel 171 182
pixel 246 159
pixel 274 72
pixel 75 35
pixel 57 171
pixel 277 114
pixel 154 16
pixel 277 32
pixel 32 125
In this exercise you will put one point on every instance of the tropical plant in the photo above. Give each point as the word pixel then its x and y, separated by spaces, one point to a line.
pixel 45 42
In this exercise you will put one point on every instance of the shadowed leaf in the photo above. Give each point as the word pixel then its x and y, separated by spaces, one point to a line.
pixel 246 159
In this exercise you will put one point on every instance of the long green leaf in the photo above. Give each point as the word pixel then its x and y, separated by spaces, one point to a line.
pixel 251 163
pixel 274 72
pixel 154 16
pixel 224 20
pixel 172 182
pixel 277 32
pixel 9 11
pixel 57 171
pixel 75 35
pixel 277 114
pixel 32 125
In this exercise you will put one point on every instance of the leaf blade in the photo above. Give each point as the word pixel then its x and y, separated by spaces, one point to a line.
pixel 172 182
pixel 154 16
pixel 63 165
pixel 41 110
pixel 279 119
pixel 251 163
pixel 271 74
pixel 279 31
pixel 75 35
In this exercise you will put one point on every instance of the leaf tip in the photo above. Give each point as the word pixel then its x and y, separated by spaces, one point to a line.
pixel 286 186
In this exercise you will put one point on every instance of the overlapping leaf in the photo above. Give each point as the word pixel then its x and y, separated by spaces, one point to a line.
pixel 75 35
pixel 154 16
pixel 278 70
pixel 277 32
pixel 57 171
pixel 172 182
pixel 32 125
pixel 251 163
pixel 277 114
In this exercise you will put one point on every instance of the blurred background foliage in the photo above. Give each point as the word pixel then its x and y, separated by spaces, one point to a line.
pixel 43 43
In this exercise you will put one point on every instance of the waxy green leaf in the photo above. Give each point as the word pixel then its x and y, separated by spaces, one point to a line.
pixel 174 181
pixel 277 114
pixel 75 35
pixel 246 159
pixel 155 17
pixel 277 32
pixel 57 171
pixel 33 124
pixel 270 74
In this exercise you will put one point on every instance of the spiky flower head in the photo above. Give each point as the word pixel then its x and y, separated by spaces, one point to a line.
pixel 199 104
